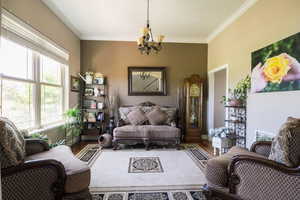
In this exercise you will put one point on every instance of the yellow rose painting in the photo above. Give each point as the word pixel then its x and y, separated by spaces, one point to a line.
pixel 276 67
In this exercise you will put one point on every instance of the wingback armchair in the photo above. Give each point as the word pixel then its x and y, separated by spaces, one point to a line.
pixel 255 174
pixel 31 170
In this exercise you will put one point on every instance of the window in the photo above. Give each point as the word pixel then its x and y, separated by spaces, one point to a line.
pixel 32 86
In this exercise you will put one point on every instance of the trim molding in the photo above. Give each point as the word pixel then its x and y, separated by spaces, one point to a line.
pixel 248 4
pixel 198 40
pixel 211 96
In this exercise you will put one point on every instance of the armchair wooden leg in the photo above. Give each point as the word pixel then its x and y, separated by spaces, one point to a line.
pixel 178 147
pixel 207 192
pixel 147 145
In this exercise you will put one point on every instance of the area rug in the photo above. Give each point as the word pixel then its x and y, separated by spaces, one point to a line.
pixel 137 174
pixel 156 195
pixel 91 152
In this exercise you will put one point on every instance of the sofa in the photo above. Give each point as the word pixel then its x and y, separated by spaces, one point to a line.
pixel 270 170
pixel 147 123
pixel 31 170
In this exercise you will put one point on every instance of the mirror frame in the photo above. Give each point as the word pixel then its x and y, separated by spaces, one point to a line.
pixel 147 69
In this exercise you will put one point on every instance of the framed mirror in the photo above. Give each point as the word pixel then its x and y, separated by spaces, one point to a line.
pixel 147 81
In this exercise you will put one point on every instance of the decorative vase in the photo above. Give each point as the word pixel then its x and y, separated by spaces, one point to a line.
pixel 234 102
pixel 105 140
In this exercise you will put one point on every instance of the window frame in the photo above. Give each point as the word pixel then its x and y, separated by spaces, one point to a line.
pixel 37 88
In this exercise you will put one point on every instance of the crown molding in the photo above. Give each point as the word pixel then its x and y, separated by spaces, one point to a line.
pixel 248 4
pixel 57 12
pixel 130 39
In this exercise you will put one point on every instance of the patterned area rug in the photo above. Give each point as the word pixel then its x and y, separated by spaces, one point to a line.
pixel 148 165
pixel 159 195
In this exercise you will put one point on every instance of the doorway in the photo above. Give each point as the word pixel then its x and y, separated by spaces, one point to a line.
pixel 218 87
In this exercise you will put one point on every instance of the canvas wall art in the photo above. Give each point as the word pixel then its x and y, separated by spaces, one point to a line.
pixel 276 67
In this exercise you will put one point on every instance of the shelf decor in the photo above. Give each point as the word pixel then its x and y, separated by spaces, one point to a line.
pixel 236 123
pixel 93 106
pixel 75 84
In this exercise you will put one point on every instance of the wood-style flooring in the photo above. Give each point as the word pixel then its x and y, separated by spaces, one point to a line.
pixel 79 146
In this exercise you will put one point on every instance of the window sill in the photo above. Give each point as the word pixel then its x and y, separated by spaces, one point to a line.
pixel 47 128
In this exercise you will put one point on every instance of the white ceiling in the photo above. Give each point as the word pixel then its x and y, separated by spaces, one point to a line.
pixel 120 20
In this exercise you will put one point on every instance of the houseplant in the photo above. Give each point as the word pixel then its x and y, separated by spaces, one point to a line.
pixel 74 124
pixel 238 96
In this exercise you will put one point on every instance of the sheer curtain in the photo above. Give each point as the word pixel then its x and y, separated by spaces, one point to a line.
pixel 0 105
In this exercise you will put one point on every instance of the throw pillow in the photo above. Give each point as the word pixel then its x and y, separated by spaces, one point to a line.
pixel 285 146
pixel 137 117
pixel 157 116
pixel 12 144
pixel 171 114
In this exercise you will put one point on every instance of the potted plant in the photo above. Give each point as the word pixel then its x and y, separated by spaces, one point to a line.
pixel 74 122
pixel 238 96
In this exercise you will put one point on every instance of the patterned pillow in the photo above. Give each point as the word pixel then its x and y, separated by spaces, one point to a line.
pixel 285 146
pixel 12 143
pixel 137 117
pixel 171 113
pixel 157 116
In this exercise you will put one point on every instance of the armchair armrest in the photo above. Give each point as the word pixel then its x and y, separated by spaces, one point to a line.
pixel 33 146
pixel 262 179
pixel 262 147
pixel 36 179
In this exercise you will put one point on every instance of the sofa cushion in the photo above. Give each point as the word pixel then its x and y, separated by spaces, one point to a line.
pixel 130 131
pixel 162 132
pixel 217 168
pixel 137 117
pixel 157 116
pixel 171 114
pixel 12 144
pixel 78 173
pixel 125 110
pixel 285 146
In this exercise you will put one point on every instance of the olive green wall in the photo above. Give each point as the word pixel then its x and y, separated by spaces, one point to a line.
pixel 113 58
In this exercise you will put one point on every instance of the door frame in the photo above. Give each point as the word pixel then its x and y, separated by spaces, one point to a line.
pixel 211 98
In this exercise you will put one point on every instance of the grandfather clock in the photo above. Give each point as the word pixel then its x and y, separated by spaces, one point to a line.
pixel 193 95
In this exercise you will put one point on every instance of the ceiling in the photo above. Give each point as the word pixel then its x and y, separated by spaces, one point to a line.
pixel 187 21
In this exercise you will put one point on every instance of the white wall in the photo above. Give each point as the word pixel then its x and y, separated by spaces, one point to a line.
pixel 268 111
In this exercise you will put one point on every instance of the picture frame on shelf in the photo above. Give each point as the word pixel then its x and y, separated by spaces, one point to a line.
pixel 75 84
pixel 90 104
pixel 89 92
pixel 99 80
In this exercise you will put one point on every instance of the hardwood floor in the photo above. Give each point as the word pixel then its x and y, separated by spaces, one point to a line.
pixel 78 147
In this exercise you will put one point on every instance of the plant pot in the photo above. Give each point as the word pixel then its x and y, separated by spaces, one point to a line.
pixel 105 140
pixel 234 102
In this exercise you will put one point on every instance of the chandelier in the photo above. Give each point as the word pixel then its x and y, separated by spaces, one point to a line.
pixel 146 43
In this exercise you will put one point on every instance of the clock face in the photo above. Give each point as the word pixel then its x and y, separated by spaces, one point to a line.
pixel 194 90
